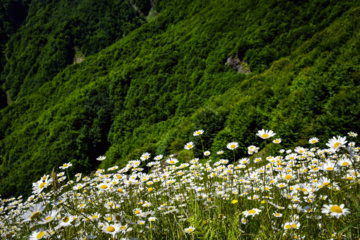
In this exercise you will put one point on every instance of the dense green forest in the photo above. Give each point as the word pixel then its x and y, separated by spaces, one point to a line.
pixel 153 74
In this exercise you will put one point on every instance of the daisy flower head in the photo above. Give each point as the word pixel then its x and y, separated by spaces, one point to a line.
pixel 328 166
pixel 66 220
pixel 335 210
pixel 49 217
pixel 207 153
pixel 101 158
pixel 232 145
pixel 39 235
pixel 40 185
pixel 352 134
pixel 33 212
pixel 313 140
pixel 158 157
pixel 265 134
pixel 152 219
pixel 189 145
pixel 172 161
pixel 277 141
pixel 252 212
pixel 220 152
pixel 66 165
pixel 276 214
pixel 198 132
pixel 336 142
pixel 112 229
pixel 145 156
pixel 291 225
pixel 190 229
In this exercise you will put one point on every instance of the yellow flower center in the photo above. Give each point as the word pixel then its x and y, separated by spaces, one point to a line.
pixel 252 211
pixel 329 169
pixel 345 164
pixel 337 144
pixel 110 229
pixel 150 189
pixel 66 165
pixel 104 186
pixel 40 235
pixel 137 212
pixel 66 219
pixel 288 177
pixel 122 227
pixel 336 209
pixel 34 215
pixel 232 146
pixel 42 185
pixel 294 225
pixel 287 226
pixel 108 218
pixel 48 218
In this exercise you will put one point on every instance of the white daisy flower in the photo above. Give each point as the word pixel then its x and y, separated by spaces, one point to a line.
pixel 101 158
pixel 313 140
pixel 190 229
pixel 189 145
pixel 198 132
pixel 335 143
pixel 66 165
pixel 252 212
pixel 232 145
pixel 38 235
pixel 145 156
pixel 265 134
pixel 335 210
pixel 112 229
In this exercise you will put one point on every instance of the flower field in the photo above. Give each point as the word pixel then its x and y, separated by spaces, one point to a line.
pixel 301 193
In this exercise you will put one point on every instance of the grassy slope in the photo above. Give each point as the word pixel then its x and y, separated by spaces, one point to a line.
pixel 148 91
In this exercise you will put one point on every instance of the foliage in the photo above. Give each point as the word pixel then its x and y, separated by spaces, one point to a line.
pixel 160 81
pixel 305 192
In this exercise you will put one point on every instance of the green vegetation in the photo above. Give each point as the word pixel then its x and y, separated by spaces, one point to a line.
pixel 299 193
pixel 45 44
pixel 151 89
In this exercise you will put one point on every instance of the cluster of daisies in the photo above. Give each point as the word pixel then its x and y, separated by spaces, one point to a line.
pixel 298 191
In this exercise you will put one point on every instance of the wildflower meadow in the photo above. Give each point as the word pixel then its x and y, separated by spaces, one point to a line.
pixel 299 193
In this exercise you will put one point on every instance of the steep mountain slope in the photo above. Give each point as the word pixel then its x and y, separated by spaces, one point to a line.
pixel 54 31
pixel 152 88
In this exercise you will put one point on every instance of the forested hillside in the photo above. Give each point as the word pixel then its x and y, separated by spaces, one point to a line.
pixel 146 84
